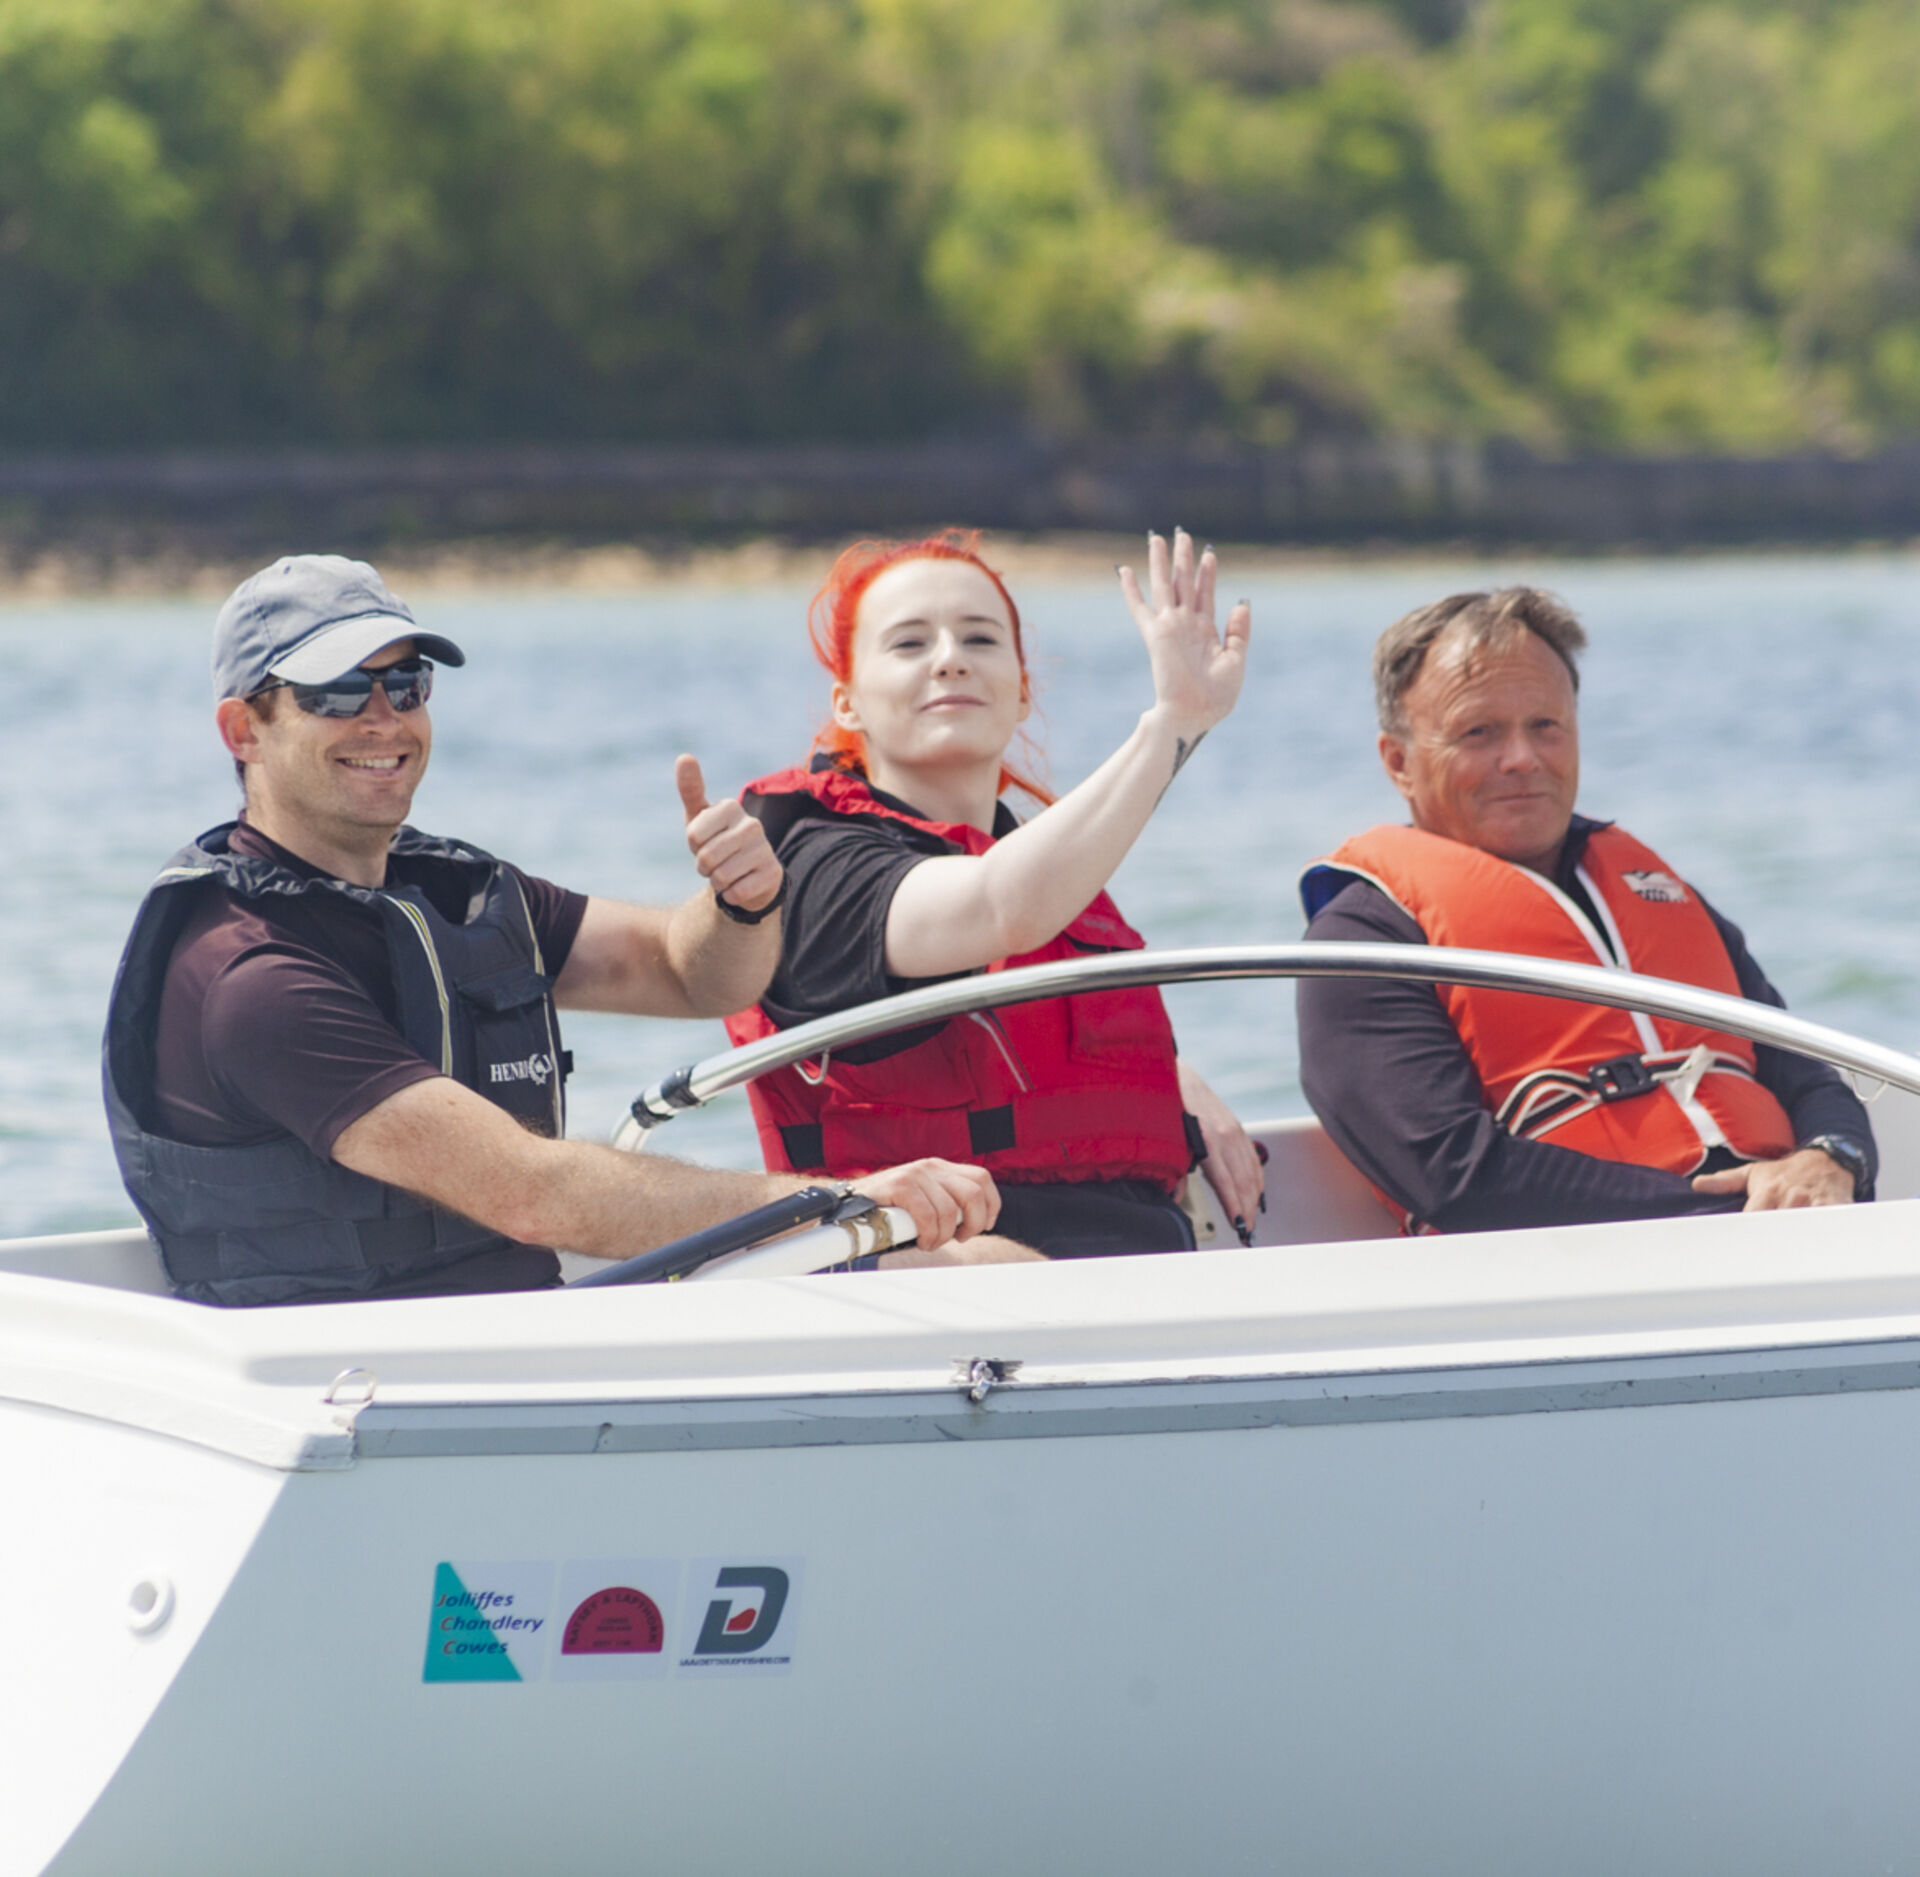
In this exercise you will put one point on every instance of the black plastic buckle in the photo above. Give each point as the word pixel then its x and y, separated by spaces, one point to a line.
pixel 1622 1078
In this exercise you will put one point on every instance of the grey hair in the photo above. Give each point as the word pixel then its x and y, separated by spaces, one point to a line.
pixel 1483 620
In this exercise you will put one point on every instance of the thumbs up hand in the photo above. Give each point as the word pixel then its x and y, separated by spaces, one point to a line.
pixel 728 846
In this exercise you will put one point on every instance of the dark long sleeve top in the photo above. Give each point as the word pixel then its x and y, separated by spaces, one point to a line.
pixel 1393 1085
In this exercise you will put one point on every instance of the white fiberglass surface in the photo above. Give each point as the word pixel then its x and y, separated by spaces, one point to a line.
pixel 1672 1639
pixel 116 1546
pixel 255 1383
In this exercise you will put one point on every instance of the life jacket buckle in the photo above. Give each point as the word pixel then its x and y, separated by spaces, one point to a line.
pixel 1622 1078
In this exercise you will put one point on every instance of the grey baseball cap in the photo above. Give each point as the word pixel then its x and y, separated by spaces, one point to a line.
pixel 308 619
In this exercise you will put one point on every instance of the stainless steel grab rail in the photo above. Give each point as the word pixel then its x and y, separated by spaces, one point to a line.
pixel 700 1082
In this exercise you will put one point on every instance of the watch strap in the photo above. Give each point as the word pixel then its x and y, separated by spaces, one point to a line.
pixel 1848 1155
pixel 741 916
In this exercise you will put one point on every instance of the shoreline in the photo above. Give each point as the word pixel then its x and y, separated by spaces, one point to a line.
pixel 458 566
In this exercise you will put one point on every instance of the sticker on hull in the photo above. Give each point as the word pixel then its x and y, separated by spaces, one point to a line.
pixel 740 1616
pixel 489 1622
pixel 617 1619
pixel 611 1619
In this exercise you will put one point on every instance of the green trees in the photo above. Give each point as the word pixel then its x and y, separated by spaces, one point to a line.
pixel 1639 224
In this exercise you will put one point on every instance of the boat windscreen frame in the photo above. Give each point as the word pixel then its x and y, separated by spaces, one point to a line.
pixel 699 1083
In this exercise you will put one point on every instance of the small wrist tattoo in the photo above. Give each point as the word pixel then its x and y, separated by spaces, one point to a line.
pixel 1182 749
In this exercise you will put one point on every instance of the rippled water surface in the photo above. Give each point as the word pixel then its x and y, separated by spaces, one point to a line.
pixel 1754 719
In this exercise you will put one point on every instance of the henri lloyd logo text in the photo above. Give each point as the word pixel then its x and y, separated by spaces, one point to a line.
pixel 535 1069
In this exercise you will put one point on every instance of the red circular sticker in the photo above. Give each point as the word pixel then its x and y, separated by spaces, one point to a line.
pixel 615 1621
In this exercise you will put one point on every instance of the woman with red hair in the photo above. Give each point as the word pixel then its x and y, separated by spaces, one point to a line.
pixel 904 866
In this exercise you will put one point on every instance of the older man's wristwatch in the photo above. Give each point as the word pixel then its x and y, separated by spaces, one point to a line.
pixel 1846 1154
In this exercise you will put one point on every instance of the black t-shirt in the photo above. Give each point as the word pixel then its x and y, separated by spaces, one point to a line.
pixel 842 874
pixel 280 1017
pixel 1393 1084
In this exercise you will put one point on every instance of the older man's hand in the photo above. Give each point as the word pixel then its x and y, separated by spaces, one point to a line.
pixel 1806 1178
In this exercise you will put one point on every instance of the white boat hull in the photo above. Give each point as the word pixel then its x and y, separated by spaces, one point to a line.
pixel 1594 1641
pixel 1580 1550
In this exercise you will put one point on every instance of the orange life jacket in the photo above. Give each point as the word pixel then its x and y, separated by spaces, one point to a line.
pixel 1068 1088
pixel 1616 1084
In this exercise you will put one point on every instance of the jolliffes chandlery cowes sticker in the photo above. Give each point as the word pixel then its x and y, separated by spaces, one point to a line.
pixel 489 1622
pixel 616 1619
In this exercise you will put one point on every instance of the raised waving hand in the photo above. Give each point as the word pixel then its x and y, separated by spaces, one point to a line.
pixel 956 912
pixel 1197 669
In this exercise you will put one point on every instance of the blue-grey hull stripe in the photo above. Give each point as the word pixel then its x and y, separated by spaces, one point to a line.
pixel 1022 1411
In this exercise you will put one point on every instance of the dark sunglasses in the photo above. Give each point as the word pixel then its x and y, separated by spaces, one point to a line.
pixel 408 685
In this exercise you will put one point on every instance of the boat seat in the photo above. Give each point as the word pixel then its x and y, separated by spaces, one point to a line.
pixel 1314 1194
pixel 123 1260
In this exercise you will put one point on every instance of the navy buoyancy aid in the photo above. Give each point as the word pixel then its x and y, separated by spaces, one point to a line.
pixel 273 1222
pixel 1084 1087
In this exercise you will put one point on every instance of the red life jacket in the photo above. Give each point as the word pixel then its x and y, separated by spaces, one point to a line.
pixel 1068 1088
pixel 1616 1084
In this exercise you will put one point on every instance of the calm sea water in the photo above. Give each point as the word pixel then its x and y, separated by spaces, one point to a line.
pixel 1754 719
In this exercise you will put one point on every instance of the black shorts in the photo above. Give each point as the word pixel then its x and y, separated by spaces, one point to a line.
pixel 1093 1219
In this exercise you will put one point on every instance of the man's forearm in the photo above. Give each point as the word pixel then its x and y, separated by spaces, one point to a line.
pixel 608 1204
pixel 456 1148
pixel 1817 1099
pixel 720 965
pixel 452 1146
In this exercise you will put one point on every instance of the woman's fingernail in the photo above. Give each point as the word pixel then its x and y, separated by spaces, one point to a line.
pixel 1240 1226
pixel 1263 1202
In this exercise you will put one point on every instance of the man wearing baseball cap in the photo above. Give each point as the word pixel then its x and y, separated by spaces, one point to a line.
pixel 333 1060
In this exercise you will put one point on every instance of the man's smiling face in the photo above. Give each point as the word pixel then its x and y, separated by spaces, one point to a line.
pixel 340 775
pixel 1489 749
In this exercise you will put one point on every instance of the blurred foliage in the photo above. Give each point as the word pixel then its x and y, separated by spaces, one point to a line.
pixel 1627 224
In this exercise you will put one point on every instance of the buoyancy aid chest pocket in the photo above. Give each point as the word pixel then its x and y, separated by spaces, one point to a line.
pixel 512 988
pixel 516 1059
pixel 942 1075
pixel 1117 1026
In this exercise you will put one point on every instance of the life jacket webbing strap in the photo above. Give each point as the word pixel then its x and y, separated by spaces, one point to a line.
pixel 805 1143
pixel 195 1257
pixel 989 1131
pixel 1550 1098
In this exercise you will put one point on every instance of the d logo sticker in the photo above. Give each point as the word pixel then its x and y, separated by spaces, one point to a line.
pixel 739 1626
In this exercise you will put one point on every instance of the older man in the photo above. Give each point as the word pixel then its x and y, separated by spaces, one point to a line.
pixel 1474 1109
pixel 333 1059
